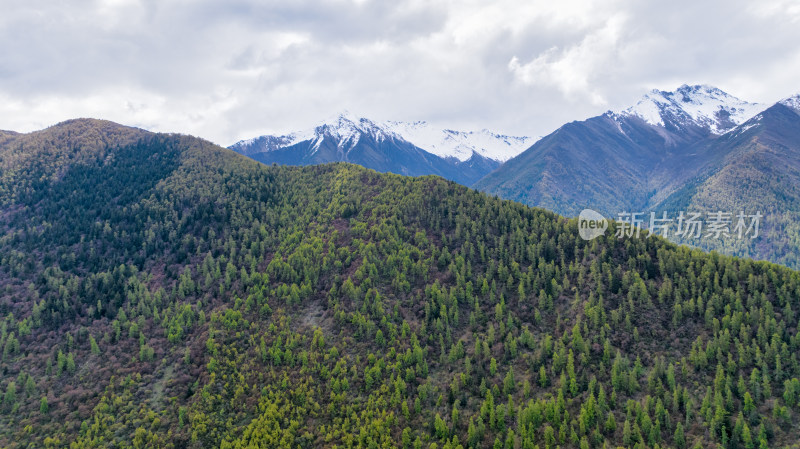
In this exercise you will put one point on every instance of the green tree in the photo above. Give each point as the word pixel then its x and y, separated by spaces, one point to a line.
pixel 610 424
pixel 70 364
pixel 509 383
pixel 679 438
pixel 10 398
pixel 95 349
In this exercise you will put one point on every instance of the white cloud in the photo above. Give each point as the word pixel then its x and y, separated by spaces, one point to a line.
pixel 574 69
pixel 230 70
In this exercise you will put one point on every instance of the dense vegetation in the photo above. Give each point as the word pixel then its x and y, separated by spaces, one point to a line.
pixel 614 164
pixel 764 176
pixel 164 292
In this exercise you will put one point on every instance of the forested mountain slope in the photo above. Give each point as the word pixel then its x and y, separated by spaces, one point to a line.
pixel 697 149
pixel 760 172
pixel 159 291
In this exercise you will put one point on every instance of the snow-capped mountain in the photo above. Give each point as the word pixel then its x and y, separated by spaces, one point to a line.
pixel 701 105
pixel 633 158
pixel 694 149
pixel 460 144
pixel 415 148
pixel 347 129
pixel 405 148
pixel 792 102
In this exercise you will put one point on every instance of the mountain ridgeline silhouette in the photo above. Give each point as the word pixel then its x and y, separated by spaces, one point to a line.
pixel 160 291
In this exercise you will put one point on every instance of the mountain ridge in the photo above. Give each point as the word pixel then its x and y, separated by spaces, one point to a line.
pixel 443 142
pixel 701 104
pixel 412 149
pixel 648 159
pixel 172 293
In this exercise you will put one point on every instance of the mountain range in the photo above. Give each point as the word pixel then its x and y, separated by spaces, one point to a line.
pixel 159 291
pixel 626 160
pixel 694 149
pixel 406 148
pixel 697 148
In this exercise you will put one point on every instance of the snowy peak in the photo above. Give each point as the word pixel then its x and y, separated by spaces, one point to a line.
pixel 269 143
pixel 701 105
pixel 345 130
pixel 345 126
pixel 461 144
pixel 792 102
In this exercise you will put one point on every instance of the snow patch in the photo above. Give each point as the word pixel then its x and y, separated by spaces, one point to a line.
pixel 742 129
pixel 792 102
pixel 461 144
pixel 702 104
pixel 347 129
pixel 271 143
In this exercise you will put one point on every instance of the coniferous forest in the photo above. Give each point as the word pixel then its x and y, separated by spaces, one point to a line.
pixel 159 291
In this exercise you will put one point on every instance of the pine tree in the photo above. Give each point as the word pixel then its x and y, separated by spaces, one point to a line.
pixel 30 386
pixel 10 398
pixel 509 384
pixel 679 438
pixel 93 346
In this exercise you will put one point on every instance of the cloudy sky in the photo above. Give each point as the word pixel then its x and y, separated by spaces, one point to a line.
pixel 227 70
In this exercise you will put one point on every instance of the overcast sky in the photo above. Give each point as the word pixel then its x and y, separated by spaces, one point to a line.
pixel 227 70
